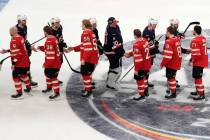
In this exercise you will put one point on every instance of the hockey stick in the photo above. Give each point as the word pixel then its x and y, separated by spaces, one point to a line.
pixel 191 23
pixel 70 64
pixel 38 40
pixel 126 73
pixel 1 62
pixel 160 37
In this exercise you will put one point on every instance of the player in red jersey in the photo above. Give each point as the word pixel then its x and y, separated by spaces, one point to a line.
pixel 171 60
pixel 52 62
pixel 142 63
pixel 199 61
pixel 20 63
pixel 88 56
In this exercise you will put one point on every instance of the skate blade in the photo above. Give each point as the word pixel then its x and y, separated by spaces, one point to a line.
pixel 20 98
pixel 191 96
pixel 141 101
pixel 56 99
pixel 34 86
pixel 200 101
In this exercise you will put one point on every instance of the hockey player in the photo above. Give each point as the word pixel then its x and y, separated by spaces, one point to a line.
pixel 22 30
pixel 175 24
pixel 113 49
pixel 58 33
pixel 88 56
pixel 149 34
pixel 93 22
pixel 52 62
pixel 199 60
pixel 171 60
pixel 142 63
pixel 20 63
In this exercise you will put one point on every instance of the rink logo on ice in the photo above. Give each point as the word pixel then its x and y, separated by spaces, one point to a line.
pixel 176 108
pixel 116 115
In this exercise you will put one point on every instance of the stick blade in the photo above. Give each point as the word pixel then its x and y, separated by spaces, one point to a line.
pixel 195 22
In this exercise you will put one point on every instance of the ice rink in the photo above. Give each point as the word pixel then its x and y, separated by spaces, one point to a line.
pixel 37 118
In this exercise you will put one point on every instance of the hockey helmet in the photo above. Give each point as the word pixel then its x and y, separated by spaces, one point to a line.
pixel 152 21
pixel 174 21
pixel 57 19
pixel 93 21
pixel 21 17
pixel 52 20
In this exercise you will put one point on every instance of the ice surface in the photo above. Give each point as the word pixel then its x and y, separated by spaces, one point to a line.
pixel 35 117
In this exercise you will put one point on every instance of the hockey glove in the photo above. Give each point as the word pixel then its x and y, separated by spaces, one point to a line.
pixel 28 47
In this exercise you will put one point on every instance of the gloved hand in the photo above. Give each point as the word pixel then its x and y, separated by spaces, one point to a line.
pixel 181 35
pixel 156 43
pixel 28 47
pixel 62 44
pixel 100 48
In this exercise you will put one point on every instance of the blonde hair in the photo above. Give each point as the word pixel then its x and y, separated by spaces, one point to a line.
pixel 87 23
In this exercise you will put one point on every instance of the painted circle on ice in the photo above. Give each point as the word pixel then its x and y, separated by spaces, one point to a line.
pixel 116 115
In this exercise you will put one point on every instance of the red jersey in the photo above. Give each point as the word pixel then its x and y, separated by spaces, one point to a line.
pixel 199 53
pixel 172 57
pixel 141 54
pixel 88 47
pixel 19 56
pixel 52 53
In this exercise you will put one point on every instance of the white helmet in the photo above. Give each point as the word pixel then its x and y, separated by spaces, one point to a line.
pixel 57 19
pixel 152 21
pixel 21 17
pixel 174 21
pixel 52 20
pixel 93 21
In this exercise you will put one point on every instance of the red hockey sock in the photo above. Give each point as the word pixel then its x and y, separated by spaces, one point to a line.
pixel 87 81
pixel 172 85
pixel 55 85
pixel 18 85
pixel 199 86
pixel 141 87
pixel 26 80
pixel 145 83
pixel 48 82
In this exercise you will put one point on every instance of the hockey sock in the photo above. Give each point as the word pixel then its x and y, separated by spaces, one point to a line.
pixel 141 87
pixel 145 83
pixel 172 85
pixel 87 81
pixel 26 80
pixel 199 86
pixel 18 85
pixel 55 85
pixel 48 82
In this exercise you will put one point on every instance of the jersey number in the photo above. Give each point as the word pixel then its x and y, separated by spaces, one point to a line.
pixel 179 50
pixel 147 53
pixel 205 47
